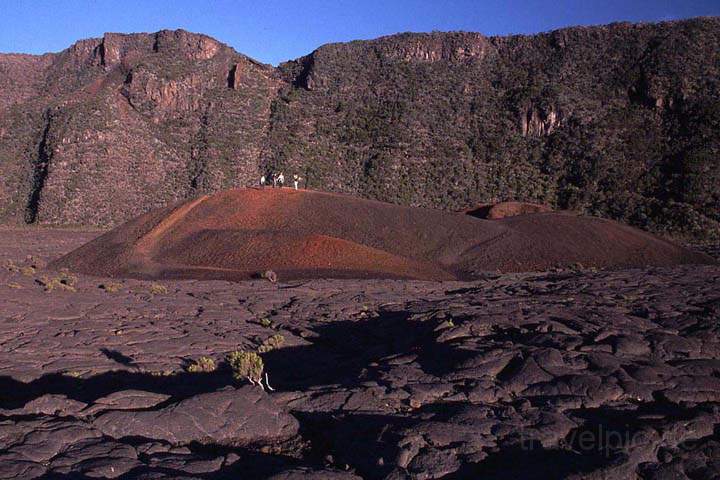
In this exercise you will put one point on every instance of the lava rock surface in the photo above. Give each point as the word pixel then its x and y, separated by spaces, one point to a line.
pixel 564 374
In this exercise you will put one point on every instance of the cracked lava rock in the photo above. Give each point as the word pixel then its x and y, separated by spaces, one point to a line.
pixel 570 374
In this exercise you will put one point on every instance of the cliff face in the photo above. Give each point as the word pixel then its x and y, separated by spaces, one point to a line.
pixel 615 121
pixel 112 127
pixel 619 121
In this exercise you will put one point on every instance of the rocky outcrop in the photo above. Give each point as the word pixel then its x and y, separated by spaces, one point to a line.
pixel 235 76
pixel 116 47
pixel 434 47
pixel 125 400
pixel 543 119
pixel 540 122
pixel 230 417
pixel 148 93
pixel 139 120
pixel 48 404
pixel 191 45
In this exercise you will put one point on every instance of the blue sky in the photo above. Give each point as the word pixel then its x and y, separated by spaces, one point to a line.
pixel 277 30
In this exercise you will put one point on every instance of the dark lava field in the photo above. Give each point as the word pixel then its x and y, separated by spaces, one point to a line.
pixel 563 374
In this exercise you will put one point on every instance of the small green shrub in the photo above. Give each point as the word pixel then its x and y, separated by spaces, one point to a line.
pixel 63 281
pixel 11 267
pixel 246 366
pixel 158 289
pixel 201 365
pixel 111 287
pixel 28 271
pixel 276 341
pixel 67 278
pixel 270 276
pixel 266 322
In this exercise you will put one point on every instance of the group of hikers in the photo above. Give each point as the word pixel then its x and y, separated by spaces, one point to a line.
pixel 278 180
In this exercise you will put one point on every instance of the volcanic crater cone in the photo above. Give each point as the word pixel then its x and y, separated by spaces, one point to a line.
pixel 237 234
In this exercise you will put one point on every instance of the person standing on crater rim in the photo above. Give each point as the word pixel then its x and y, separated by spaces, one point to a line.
pixel 262 181
pixel 281 179
pixel 296 179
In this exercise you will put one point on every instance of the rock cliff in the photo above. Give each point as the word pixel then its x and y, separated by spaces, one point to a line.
pixel 619 121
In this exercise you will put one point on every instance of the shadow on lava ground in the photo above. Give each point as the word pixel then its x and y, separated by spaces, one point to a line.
pixel 337 356
pixel 343 349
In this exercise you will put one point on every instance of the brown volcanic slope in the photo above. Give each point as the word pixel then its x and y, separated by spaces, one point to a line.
pixel 236 234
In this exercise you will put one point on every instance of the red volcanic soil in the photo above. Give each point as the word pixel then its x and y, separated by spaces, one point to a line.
pixel 495 211
pixel 237 234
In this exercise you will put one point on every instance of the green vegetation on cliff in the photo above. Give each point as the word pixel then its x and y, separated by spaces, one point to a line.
pixel 620 121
